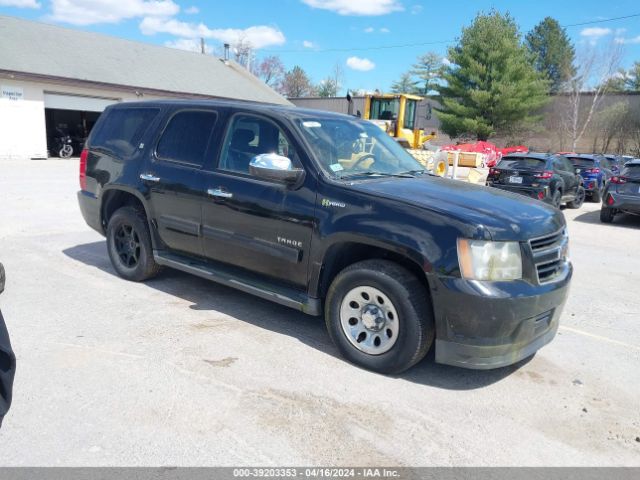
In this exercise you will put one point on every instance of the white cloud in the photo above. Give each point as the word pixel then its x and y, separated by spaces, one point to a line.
pixel 628 41
pixel 381 30
pixel 308 44
pixel 595 32
pixel 20 3
pixel 192 10
pixel 362 64
pixel 385 30
pixel 416 9
pixel 79 12
pixel 189 44
pixel 369 30
pixel 259 36
pixel 357 7
pixel 620 31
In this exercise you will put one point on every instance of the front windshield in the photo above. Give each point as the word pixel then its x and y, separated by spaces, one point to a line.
pixel 352 148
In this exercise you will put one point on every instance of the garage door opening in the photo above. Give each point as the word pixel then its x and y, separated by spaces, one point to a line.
pixel 69 120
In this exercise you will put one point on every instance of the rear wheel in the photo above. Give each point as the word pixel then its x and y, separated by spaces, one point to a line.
pixel 596 196
pixel 556 199
pixel 607 214
pixel 579 200
pixel 129 245
pixel 378 315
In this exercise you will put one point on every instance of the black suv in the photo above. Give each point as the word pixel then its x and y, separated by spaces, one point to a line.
pixel 622 193
pixel 543 176
pixel 326 213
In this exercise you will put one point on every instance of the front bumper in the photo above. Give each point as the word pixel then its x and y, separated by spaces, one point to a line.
pixel 484 325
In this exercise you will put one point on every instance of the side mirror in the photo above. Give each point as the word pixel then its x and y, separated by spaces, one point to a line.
pixel 274 167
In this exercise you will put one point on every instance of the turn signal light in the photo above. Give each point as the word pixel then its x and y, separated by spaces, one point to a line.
pixel 83 169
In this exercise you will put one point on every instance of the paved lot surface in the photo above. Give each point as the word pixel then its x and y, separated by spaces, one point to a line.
pixel 179 371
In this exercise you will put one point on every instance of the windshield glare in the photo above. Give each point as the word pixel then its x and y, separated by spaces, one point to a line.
pixel 355 148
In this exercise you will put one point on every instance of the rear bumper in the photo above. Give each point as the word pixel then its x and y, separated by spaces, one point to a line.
pixel 591 184
pixel 484 325
pixel 90 209
pixel 630 203
pixel 533 192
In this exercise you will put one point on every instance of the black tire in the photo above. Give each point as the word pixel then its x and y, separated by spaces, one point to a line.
pixel 136 262
pixel 607 214
pixel 556 199
pixel 579 200
pixel 596 196
pixel 415 326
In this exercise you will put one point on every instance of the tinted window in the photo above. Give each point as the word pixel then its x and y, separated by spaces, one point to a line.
pixel 582 162
pixel 186 137
pixel 604 163
pixel 121 129
pixel 249 136
pixel 632 171
pixel 567 165
pixel 526 163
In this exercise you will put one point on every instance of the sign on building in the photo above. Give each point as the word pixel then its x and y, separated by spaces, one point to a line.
pixel 12 93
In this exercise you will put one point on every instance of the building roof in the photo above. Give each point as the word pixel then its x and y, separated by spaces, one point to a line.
pixel 51 51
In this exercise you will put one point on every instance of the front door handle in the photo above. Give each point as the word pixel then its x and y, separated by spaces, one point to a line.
pixel 147 177
pixel 220 193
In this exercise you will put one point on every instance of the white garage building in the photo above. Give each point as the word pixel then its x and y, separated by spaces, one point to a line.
pixel 56 81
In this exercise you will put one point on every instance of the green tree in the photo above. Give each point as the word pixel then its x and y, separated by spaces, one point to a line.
pixel 428 69
pixel 552 52
pixel 491 85
pixel 633 78
pixel 617 82
pixel 327 88
pixel 406 84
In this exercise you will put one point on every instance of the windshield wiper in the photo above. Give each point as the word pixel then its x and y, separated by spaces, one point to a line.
pixel 414 172
pixel 377 174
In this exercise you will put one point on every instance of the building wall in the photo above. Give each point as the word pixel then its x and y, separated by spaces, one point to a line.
pixel 22 121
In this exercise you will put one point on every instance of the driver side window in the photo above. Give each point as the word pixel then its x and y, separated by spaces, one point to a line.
pixel 249 136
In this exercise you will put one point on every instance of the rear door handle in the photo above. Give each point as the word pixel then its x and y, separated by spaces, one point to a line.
pixel 147 177
pixel 220 193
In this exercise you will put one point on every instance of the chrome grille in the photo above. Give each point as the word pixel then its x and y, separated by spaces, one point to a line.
pixel 549 255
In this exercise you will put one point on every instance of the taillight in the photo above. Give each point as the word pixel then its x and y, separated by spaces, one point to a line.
pixel 83 169
pixel 540 195
pixel 618 180
pixel 546 175
pixel 493 171
pixel 592 170
pixel 610 200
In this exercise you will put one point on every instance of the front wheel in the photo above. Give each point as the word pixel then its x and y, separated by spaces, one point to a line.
pixel 378 315
pixel 129 245
pixel 66 151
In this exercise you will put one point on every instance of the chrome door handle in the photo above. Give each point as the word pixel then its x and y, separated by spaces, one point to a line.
pixel 147 177
pixel 218 192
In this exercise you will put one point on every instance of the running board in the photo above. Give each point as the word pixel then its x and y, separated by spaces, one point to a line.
pixel 249 284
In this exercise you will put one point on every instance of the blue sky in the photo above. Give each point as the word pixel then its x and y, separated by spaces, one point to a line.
pixel 317 34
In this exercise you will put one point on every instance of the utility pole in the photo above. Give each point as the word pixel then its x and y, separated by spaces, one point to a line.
pixel 202 45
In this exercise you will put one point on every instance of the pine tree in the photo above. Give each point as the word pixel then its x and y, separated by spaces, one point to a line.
pixel 429 69
pixel 552 51
pixel 491 85
pixel 406 84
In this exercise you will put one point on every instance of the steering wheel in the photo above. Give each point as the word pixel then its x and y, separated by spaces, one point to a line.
pixel 368 156
pixel 363 145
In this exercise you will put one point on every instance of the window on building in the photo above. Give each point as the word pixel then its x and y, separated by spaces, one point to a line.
pixel 186 137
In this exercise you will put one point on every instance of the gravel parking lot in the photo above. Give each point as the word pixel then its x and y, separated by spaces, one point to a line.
pixel 180 371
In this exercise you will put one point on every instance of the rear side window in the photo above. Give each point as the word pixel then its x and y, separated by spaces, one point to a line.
pixel 525 163
pixel 121 130
pixel 186 137
pixel 631 171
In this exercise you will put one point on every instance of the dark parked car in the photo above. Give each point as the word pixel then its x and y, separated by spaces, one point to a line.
pixel 7 361
pixel 543 176
pixel 596 172
pixel 327 214
pixel 622 194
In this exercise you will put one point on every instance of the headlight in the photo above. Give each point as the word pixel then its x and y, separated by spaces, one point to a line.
pixel 482 260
